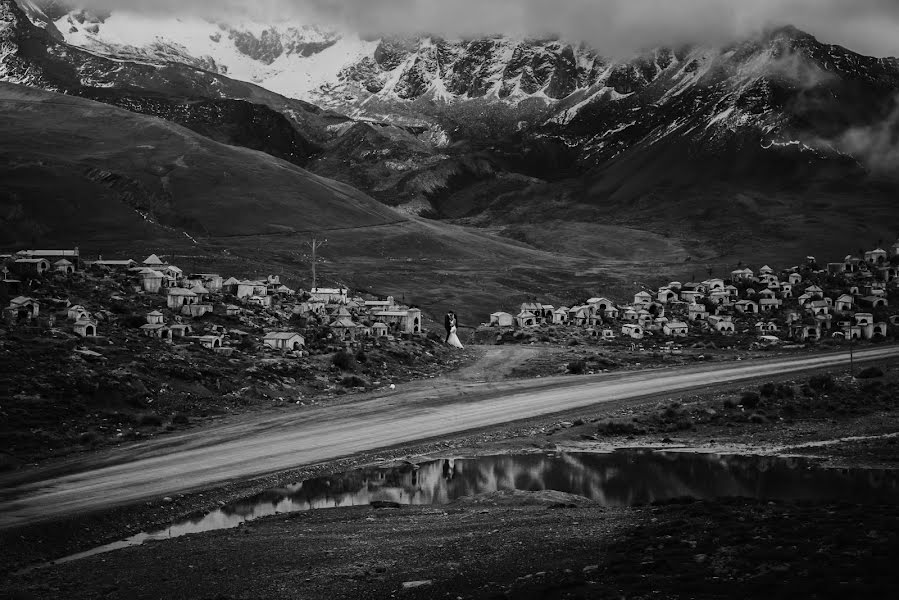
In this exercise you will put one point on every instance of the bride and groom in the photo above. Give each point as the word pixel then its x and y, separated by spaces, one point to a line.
pixel 450 323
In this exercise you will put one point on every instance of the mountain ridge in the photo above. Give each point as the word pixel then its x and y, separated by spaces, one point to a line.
pixel 465 130
pixel 32 56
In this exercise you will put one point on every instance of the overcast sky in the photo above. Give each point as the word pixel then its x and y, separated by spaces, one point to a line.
pixel 612 26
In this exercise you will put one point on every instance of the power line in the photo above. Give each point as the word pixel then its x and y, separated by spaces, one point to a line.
pixel 315 245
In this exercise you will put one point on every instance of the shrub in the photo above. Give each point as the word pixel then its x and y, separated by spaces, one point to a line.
pixel 361 356
pixel 577 367
pixel 7 462
pixel 179 418
pixel 822 383
pixel 768 390
pixel 758 419
pixel 89 438
pixel 672 413
pixel 149 420
pixel 404 356
pixel 784 391
pixel 870 373
pixel 872 387
pixel 683 424
pixel 344 361
pixel 118 308
pixel 246 344
pixel 730 403
pixel 352 381
pixel 618 428
pixel 134 321
pixel 750 399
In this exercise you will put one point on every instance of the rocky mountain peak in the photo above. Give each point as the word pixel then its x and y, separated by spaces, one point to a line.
pixel 498 67
pixel 532 102
pixel 37 15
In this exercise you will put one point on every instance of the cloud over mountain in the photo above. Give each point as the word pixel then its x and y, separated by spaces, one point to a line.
pixel 613 26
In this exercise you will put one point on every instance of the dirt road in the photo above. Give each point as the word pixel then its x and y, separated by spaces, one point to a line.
pixel 496 363
pixel 267 443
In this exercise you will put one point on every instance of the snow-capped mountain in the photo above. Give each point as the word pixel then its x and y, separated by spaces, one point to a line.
pixel 490 128
pixel 209 103
pixel 564 88
pixel 339 69
pixel 782 89
pixel 291 60
pixel 546 89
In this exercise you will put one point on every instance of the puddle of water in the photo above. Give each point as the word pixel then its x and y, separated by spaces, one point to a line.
pixel 620 478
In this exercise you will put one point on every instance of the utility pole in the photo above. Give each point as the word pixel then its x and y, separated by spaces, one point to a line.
pixel 315 245
pixel 851 354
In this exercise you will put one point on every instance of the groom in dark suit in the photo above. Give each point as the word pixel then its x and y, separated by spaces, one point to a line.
pixel 447 323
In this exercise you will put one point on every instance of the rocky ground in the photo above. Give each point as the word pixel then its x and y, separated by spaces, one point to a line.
pixel 506 546
pixel 775 414
pixel 536 545
pixel 57 401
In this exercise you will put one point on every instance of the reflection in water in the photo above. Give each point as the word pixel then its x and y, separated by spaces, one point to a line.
pixel 617 479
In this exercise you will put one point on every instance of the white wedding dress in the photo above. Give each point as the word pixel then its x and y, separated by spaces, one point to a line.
pixel 453 339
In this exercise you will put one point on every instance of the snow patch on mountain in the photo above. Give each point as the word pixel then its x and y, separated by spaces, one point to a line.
pixel 566 115
pixel 288 59
pixel 337 68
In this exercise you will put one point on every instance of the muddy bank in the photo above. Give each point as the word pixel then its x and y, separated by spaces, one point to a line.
pixel 509 546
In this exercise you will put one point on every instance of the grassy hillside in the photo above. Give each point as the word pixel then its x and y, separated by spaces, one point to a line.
pixel 741 203
pixel 78 172
pixel 74 169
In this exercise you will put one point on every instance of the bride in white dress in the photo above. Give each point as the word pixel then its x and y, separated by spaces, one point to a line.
pixel 452 339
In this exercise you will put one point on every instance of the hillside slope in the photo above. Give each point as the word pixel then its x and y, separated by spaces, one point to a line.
pixel 778 143
pixel 193 94
pixel 79 172
pixel 70 164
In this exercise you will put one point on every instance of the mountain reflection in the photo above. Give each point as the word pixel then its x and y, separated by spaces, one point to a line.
pixel 616 479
